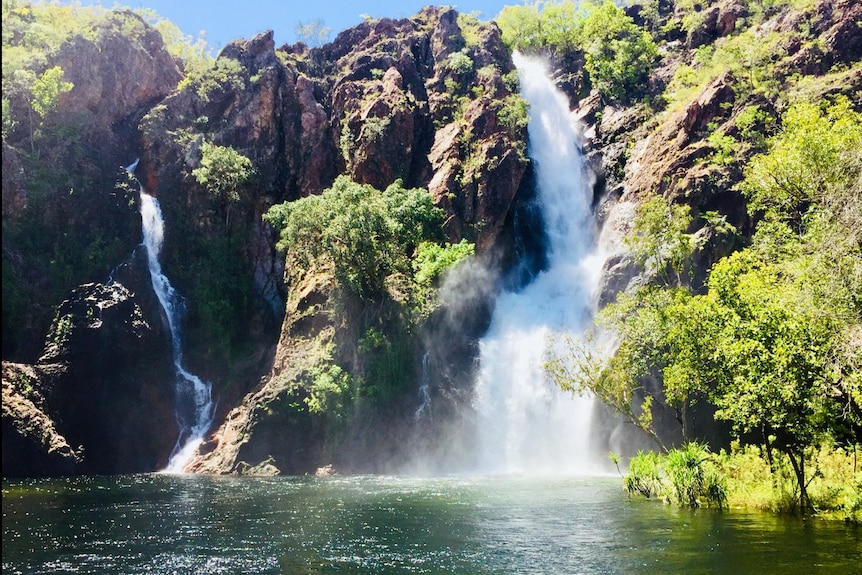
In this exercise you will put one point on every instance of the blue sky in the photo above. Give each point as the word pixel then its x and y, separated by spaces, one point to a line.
pixel 224 21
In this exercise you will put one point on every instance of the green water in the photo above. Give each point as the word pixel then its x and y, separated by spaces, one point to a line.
pixel 176 524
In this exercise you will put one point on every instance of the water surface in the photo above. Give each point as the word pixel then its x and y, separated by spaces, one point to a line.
pixel 187 524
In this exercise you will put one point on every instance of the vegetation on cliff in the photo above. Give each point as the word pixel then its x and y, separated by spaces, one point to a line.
pixel 769 342
pixel 618 54
pixel 726 125
pixel 65 136
pixel 386 252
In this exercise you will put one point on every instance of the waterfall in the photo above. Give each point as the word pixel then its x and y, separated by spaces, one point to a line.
pixel 194 409
pixel 424 388
pixel 526 424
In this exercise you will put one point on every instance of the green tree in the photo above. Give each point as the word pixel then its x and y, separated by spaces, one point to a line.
pixel 44 96
pixel 47 88
pixel 659 240
pixel 619 54
pixel 521 25
pixel 816 159
pixel 224 172
pixel 365 235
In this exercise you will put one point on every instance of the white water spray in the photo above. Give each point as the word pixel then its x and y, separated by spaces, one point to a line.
pixel 527 425
pixel 194 396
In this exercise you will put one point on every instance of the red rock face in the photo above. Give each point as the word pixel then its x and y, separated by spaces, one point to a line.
pixel 377 104
pixel 380 103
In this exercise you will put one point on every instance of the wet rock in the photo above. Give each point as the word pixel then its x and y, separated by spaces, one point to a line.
pixel 32 447
pixel 111 383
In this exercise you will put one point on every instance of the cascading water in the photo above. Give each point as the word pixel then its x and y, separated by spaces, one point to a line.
pixel 194 408
pixel 424 393
pixel 526 424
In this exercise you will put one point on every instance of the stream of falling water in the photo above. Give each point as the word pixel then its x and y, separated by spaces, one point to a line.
pixel 194 406
pixel 526 424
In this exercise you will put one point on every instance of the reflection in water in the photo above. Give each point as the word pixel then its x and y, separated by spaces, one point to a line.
pixel 382 525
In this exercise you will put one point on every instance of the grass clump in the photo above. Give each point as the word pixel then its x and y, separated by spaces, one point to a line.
pixel 746 477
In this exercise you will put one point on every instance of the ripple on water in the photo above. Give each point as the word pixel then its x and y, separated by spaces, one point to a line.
pixel 389 525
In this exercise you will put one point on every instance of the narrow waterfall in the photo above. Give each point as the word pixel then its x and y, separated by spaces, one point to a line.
pixel 194 407
pixel 424 393
pixel 526 424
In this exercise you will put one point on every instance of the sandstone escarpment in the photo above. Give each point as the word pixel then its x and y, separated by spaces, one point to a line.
pixel 690 150
pixel 65 221
pixel 410 100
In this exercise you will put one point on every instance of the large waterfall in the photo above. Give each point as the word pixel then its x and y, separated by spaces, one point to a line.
pixel 526 424
pixel 194 407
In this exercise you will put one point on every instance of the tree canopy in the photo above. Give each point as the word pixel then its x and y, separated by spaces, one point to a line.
pixel 364 234
pixel 774 344
pixel 618 54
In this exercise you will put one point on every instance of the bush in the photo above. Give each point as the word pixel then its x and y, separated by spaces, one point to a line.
pixel 364 234
pixel 619 54
pixel 686 477
pixel 223 171
pixel 433 259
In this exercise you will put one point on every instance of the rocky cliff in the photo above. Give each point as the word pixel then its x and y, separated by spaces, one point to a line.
pixel 418 100
pixel 431 101
pixel 383 102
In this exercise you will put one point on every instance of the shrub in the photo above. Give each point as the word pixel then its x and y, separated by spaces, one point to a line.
pixel 619 54
pixel 364 234
pixel 686 477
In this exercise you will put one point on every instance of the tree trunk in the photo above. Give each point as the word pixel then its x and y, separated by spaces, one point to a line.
pixel 799 470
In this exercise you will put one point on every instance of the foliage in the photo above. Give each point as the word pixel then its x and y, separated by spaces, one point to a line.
pixel 224 75
pixel 346 142
pixel 36 30
pixel 513 114
pixel 222 293
pixel 388 363
pixel 47 88
pixel 619 54
pixel 816 158
pixel 659 240
pixel 470 29
pixel 364 234
pixel 521 25
pixel 580 365
pixel 769 483
pixel 686 476
pixel 745 477
pixel 725 148
pixel 749 56
pixel 432 259
pixel 223 171
pixel 329 386
pixel 9 122
pixel 373 128
pixel 461 65
pixel 644 475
